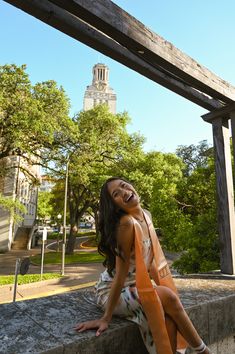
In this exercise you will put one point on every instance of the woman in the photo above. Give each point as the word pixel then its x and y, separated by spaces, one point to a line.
pixel 133 255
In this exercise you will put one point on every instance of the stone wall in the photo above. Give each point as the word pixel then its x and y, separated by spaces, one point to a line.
pixel 46 325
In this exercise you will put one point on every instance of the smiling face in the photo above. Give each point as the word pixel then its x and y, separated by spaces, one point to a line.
pixel 123 194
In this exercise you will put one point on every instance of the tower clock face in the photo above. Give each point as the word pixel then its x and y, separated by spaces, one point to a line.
pixel 101 86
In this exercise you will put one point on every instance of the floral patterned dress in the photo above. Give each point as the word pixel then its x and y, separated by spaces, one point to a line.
pixel 129 305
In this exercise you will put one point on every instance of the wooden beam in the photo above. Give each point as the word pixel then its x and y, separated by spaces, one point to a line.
pixel 225 193
pixel 74 27
pixel 222 112
pixel 132 34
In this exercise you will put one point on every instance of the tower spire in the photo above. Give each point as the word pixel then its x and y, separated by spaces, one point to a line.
pixel 99 92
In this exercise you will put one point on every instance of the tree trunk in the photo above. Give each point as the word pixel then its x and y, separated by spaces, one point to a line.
pixel 72 239
pixel 75 217
pixel 95 211
pixel 75 201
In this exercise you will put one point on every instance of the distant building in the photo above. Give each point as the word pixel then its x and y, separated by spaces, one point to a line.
pixel 99 92
pixel 17 185
pixel 47 183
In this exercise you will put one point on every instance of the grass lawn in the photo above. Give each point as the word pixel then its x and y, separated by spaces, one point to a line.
pixel 78 257
pixel 27 278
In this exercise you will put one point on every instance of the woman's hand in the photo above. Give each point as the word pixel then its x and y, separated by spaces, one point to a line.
pixel 100 324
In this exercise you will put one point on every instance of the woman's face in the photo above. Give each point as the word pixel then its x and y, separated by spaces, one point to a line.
pixel 123 194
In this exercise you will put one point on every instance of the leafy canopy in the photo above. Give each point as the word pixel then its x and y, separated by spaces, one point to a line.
pixel 34 123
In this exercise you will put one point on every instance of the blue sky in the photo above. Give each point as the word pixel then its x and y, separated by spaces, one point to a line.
pixel 204 30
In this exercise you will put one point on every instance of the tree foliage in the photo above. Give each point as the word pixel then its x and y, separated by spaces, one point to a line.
pixel 179 189
pixel 44 206
pixel 165 205
pixel 34 121
pixel 105 148
pixel 194 156
pixel 199 241
pixel 14 207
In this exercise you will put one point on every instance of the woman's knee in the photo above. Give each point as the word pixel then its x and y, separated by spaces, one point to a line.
pixel 170 301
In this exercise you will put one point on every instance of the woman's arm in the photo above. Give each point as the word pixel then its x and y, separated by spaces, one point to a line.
pixel 125 239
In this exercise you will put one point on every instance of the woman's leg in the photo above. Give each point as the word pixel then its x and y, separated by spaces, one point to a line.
pixel 172 332
pixel 129 307
pixel 174 309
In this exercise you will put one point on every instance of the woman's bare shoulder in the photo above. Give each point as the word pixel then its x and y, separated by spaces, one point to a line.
pixel 126 220
pixel 125 233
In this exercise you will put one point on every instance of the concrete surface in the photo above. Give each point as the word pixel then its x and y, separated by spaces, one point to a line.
pixel 77 276
pixel 46 325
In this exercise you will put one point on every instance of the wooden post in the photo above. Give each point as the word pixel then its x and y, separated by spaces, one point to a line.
pixel 232 117
pixel 225 192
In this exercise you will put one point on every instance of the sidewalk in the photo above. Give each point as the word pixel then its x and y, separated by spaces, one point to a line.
pixel 77 276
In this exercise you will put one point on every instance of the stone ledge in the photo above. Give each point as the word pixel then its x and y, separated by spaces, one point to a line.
pixel 46 325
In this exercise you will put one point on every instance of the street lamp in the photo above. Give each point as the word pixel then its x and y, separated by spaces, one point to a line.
pixel 65 211
pixel 59 216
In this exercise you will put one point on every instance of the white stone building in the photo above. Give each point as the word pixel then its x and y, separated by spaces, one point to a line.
pixel 99 92
pixel 17 185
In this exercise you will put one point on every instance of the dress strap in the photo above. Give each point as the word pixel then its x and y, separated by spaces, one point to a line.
pixel 148 295
pixel 149 300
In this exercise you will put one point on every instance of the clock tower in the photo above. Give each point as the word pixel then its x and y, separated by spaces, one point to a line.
pixel 99 92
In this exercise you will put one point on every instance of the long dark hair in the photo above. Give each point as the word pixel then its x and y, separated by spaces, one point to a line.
pixel 109 219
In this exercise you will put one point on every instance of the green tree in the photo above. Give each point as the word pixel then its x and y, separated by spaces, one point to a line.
pixel 44 206
pixel 194 156
pixel 14 207
pixel 162 173
pixel 34 121
pixel 105 147
pixel 180 193
pixel 198 191
pixel 57 198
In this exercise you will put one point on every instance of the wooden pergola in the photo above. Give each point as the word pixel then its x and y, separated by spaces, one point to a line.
pixel 104 26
